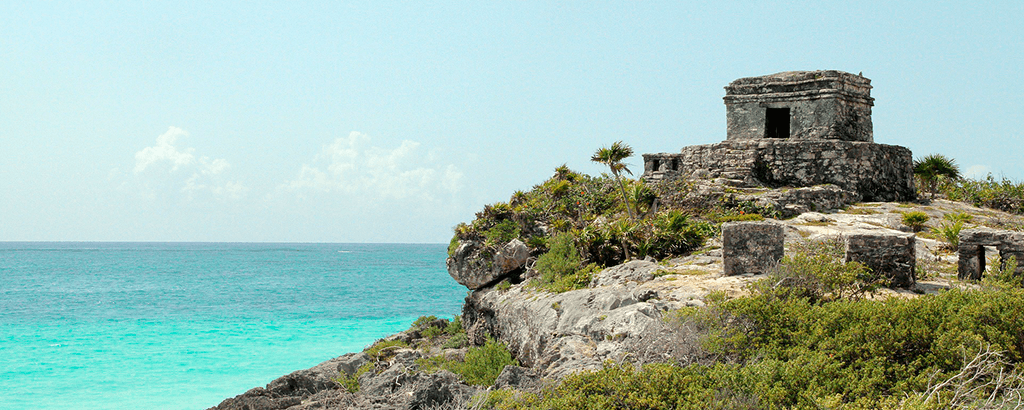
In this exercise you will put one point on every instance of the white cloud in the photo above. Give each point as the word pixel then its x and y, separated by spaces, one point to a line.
pixel 350 165
pixel 169 166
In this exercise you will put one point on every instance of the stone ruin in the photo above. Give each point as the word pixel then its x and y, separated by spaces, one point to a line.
pixel 751 248
pixel 891 256
pixel 972 250
pixel 797 129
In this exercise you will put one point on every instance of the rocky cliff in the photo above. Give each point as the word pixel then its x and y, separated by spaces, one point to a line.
pixel 627 314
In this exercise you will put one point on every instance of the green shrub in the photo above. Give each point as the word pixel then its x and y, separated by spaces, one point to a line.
pixel 503 286
pixel 501 233
pixel 349 383
pixel 385 350
pixel 816 271
pixel 454 326
pixel 1004 195
pixel 483 364
pixel 457 341
pixel 949 232
pixel 915 220
pixel 432 332
pixel 1005 276
pixel 561 267
pixel 422 321
pixel 453 246
pixel 739 218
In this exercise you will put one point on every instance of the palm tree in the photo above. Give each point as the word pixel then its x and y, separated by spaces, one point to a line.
pixel 612 157
pixel 934 167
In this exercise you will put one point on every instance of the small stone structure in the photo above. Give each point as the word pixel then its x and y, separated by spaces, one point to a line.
pixel 972 250
pixel 751 247
pixel 808 105
pixel 797 129
pixel 890 255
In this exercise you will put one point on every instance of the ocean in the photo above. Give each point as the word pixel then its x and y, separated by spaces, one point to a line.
pixel 186 325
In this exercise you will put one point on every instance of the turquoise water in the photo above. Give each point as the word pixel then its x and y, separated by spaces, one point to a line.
pixel 183 326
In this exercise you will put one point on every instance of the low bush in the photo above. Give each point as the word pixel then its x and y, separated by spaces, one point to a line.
pixel 455 326
pixel 950 233
pixel 349 383
pixel 385 350
pixel 1004 194
pixel 481 366
pixel 815 271
pixel 457 341
pixel 739 218
pixel 843 354
pixel 915 220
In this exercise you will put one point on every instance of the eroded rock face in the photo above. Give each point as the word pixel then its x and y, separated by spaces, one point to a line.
pixel 632 272
pixel 396 385
pixel 474 266
pixel 560 334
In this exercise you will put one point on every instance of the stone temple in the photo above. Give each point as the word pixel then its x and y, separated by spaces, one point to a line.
pixel 797 129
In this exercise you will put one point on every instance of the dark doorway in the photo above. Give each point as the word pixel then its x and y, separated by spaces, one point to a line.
pixel 776 123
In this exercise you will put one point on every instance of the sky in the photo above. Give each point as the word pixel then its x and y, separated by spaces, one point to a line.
pixel 394 121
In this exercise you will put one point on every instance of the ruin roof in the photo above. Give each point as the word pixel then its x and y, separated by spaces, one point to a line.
pixel 801 85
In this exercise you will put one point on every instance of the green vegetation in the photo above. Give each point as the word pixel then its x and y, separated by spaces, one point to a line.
pixel 1004 195
pixel 349 383
pixel 815 271
pixel 612 157
pixel 385 350
pixel 915 220
pixel 739 218
pixel 577 224
pixel 934 168
pixel 950 233
pixel 806 338
pixel 481 366
pixel 561 268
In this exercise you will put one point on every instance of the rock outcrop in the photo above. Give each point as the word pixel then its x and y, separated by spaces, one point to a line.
pixel 474 265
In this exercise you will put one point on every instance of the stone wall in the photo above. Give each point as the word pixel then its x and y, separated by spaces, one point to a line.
pixel 877 172
pixel 751 247
pixel 972 250
pixel 890 256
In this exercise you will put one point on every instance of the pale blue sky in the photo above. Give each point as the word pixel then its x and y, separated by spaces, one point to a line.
pixel 392 122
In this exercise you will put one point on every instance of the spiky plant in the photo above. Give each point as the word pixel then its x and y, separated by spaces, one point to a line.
pixel 612 157
pixel 933 168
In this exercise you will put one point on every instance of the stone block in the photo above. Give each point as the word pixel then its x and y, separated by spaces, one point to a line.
pixel 751 247
pixel 891 256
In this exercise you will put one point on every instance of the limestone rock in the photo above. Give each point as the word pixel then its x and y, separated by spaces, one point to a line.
pixel 258 399
pixel 560 334
pixel 635 271
pixel 474 266
pixel 517 377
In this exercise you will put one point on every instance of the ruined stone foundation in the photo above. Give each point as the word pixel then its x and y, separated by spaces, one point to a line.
pixel 876 172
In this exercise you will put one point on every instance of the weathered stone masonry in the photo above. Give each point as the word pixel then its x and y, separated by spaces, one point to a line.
pixel 972 250
pixel 797 129
pixel 751 247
